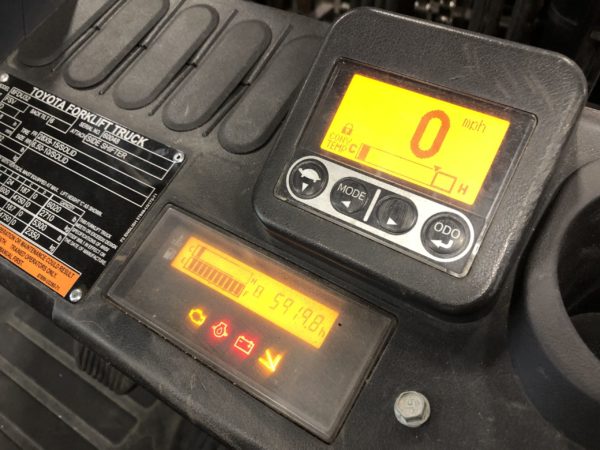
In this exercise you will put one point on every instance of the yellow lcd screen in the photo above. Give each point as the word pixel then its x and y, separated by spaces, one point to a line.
pixel 438 145
pixel 280 304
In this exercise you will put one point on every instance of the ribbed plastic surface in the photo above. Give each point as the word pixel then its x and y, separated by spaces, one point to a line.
pixel 47 402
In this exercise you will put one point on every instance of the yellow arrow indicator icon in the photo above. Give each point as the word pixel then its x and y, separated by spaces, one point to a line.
pixel 270 362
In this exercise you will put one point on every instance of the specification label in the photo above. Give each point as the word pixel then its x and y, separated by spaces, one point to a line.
pixel 73 185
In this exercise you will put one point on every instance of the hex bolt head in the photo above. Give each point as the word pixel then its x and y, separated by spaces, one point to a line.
pixel 412 409
pixel 76 295
pixel 3 77
pixel 178 157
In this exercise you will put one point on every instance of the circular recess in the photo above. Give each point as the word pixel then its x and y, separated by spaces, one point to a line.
pixel 555 325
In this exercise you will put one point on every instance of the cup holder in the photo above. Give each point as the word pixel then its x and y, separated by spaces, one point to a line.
pixel 579 274
pixel 555 324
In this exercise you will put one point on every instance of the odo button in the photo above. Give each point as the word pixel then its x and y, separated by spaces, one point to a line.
pixel 445 235
pixel 308 178
pixel 349 196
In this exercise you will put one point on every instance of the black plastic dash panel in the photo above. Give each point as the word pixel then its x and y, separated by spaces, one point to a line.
pixel 114 41
pixel 263 107
pixel 166 56
pixel 62 29
pixel 217 77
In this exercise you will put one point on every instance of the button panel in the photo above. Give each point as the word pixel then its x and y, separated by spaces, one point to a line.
pixel 416 223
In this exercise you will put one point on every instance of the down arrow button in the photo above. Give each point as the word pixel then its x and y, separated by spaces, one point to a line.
pixel 308 178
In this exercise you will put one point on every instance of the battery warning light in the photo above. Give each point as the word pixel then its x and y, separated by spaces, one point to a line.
pixel 197 317
pixel 244 345
pixel 270 361
pixel 220 330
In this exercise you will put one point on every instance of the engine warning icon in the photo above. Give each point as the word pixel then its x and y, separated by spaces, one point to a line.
pixel 197 317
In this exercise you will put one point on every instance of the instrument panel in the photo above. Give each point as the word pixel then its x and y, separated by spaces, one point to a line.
pixel 263 290
pixel 413 166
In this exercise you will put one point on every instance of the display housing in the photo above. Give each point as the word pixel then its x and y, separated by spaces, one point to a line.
pixel 414 166
pixel 298 345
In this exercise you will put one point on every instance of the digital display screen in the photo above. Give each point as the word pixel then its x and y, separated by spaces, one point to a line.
pixel 286 337
pixel 438 145
pixel 296 313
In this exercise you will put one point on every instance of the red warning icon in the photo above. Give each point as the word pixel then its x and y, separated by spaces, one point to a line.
pixel 244 345
pixel 220 330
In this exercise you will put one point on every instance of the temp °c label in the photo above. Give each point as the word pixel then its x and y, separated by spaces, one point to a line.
pixel 73 185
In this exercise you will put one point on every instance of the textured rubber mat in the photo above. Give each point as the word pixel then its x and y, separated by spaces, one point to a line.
pixel 46 402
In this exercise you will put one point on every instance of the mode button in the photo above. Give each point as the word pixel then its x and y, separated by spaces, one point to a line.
pixel 349 196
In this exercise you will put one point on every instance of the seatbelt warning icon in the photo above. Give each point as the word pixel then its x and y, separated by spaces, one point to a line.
pixel 270 361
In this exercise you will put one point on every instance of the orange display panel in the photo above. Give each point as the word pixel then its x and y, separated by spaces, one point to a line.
pixel 283 336
pixel 432 143
pixel 280 304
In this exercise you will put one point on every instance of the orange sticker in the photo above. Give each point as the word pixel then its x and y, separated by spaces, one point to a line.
pixel 37 263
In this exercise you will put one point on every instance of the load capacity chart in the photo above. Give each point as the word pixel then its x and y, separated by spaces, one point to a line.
pixel 73 184
pixel 35 212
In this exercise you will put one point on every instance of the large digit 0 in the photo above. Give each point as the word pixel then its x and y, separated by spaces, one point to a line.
pixel 415 143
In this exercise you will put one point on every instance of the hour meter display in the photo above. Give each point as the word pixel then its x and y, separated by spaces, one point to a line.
pixel 280 304
pixel 299 345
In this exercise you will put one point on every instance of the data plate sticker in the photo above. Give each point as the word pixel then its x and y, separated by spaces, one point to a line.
pixel 73 185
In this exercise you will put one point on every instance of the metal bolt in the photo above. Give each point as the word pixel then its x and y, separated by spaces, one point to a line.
pixel 179 157
pixel 76 295
pixel 412 409
pixel 3 77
